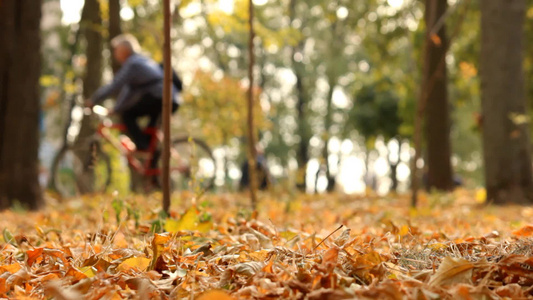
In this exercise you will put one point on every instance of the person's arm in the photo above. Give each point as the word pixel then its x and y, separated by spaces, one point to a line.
pixel 122 77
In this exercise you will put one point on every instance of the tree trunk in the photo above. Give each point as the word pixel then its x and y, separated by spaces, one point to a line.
pixel 252 155
pixel 327 128
pixel 91 22
pixel 20 66
pixel 167 107
pixel 114 28
pixel 508 174
pixel 302 153
pixel 437 110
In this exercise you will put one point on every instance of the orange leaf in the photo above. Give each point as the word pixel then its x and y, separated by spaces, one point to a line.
pixel 3 287
pixel 77 275
pixel 34 255
pixel 56 253
pixel 158 245
pixel 268 267
pixel 525 231
pixel 215 295
pixel 47 277
pixel 331 255
pixel 12 268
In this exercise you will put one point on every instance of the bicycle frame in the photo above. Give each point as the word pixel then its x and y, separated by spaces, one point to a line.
pixel 145 169
pixel 104 131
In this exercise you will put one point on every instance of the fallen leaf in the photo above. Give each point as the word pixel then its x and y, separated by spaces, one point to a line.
pixel 34 255
pixel 188 222
pixel 9 238
pixel 452 271
pixel 249 268
pixel 134 263
pixel 158 245
pixel 56 290
pixel 330 256
pixel 12 268
pixel 88 271
pixel 215 295
pixel 3 287
pixel 525 231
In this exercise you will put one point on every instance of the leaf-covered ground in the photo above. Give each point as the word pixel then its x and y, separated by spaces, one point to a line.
pixel 112 247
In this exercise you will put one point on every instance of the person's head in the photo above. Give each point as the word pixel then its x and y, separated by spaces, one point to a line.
pixel 124 46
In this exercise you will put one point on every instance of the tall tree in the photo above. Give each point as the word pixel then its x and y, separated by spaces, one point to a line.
pixel 506 145
pixel 435 91
pixel 91 24
pixel 20 66
pixel 252 155
pixel 114 28
pixel 303 130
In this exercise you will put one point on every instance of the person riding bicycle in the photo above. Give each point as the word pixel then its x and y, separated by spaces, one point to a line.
pixel 139 85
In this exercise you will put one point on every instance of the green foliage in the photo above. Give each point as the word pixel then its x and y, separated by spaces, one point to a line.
pixel 376 112
pixel 223 100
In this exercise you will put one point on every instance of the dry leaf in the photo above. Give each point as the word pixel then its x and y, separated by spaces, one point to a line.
pixel 249 268
pixel 525 231
pixel 134 263
pixel 330 256
pixel 452 271
pixel 12 268
pixel 215 295
pixel 56 290
pixel 34 255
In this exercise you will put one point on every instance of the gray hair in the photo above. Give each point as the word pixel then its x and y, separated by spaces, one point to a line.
pixel 128 41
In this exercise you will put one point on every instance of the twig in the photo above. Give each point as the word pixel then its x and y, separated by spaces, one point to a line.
pixel 327 237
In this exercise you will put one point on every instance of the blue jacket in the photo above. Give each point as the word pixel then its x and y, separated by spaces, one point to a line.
pixel 138 76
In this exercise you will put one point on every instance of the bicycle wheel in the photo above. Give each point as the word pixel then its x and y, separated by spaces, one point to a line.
pixel 76 171
pixel 192 165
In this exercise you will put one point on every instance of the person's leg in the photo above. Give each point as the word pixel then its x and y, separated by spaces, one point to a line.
pixel 129 118
pixel 147 106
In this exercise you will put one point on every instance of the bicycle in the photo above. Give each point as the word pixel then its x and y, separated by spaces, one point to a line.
pixel 86 167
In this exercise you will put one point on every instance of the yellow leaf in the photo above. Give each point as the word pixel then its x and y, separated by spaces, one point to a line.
pixel 48 80
pixel 88 271
pixel 189 219
pixel 288 235
pixel 437 246
pixel 204 227
pixel 481 195
pixel 138 263
pixel 404 230
pixel 171 225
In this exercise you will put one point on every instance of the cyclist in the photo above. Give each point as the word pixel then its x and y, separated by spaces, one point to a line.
pixel 139 85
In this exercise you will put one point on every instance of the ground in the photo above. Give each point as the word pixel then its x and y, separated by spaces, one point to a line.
pixel 294 246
